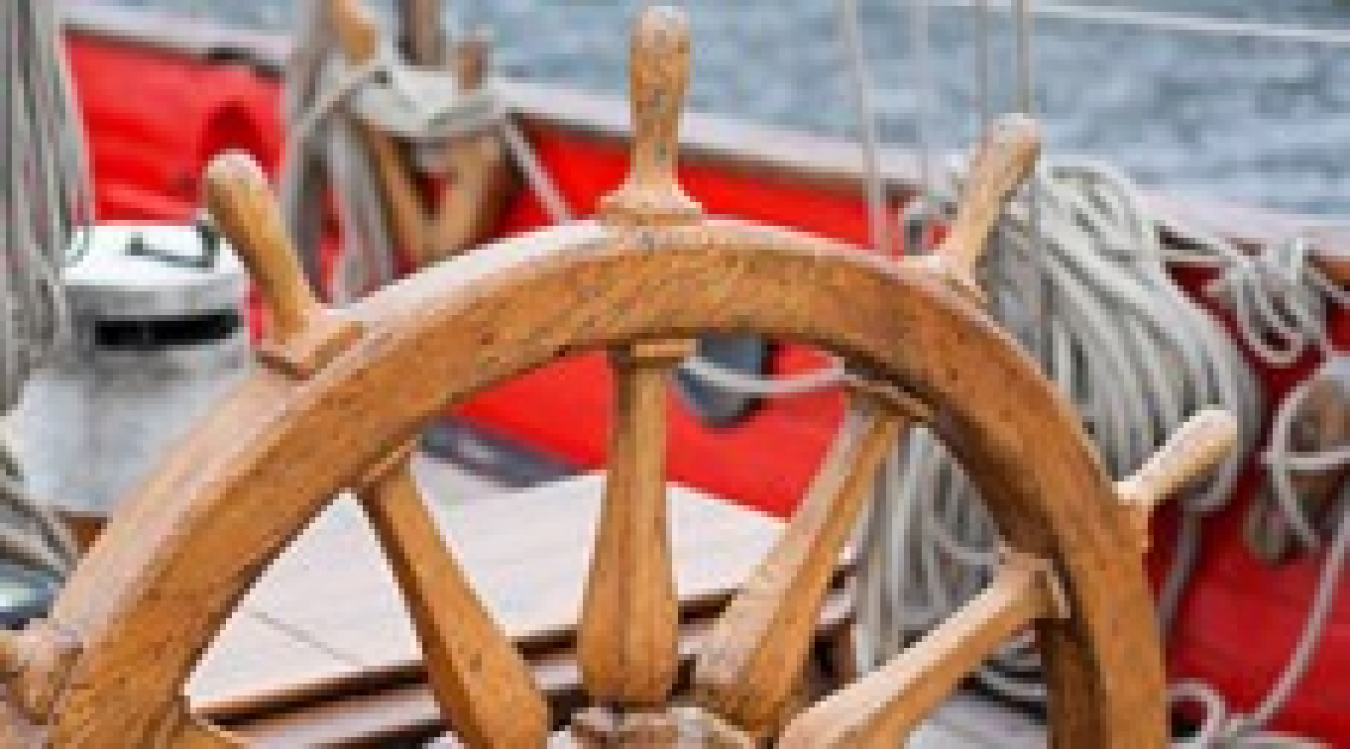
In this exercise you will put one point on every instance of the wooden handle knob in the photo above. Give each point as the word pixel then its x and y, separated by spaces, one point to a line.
pixel 1005 158
pixel 1204 440
pixel 238 196
pixel 357 28
pixel 303 336
pixel 659 74
pixel 473 60
pixel 659 83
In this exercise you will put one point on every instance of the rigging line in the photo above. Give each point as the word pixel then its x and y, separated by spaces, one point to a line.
pixel 850 31
pixel 1172 22
pixel 1026 95
pixel 985 65
pixel 536 174
pixel 920 22
pixel 1025 102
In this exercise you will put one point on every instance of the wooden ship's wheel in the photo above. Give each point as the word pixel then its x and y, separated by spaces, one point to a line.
pixel 344 393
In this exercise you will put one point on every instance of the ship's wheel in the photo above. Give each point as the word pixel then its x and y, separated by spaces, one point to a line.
pixel 345 392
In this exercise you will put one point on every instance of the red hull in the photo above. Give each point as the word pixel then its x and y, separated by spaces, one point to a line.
pixel 151 139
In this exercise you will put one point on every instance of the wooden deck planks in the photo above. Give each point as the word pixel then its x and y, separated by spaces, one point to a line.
pixel 327 614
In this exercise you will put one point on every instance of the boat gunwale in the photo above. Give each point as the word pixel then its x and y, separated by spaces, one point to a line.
pixel 734 144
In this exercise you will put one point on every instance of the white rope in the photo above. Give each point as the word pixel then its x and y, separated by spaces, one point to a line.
pixel 877 219
pixel 1131 350
pixel 919 216
pixel 555 204
pixel 1220 729
pixel 1278 298
pixel 46 191
pixel 326 98
pixel 1172 22
pixel 46 197
pixel 325 148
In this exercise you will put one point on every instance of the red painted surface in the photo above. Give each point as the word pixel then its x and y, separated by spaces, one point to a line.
pixel 155 120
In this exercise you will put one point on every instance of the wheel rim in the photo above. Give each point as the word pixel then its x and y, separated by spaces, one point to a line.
pixel 233 510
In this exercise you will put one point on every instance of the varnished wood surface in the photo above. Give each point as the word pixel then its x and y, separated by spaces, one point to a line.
pixel 628 640
pixel 422 39
pixel 301 335
pixel 629 635
pixel 753 659
pixel 881 709
pixel 1192 451
pixel 480 183
pixel 1001 164
pixel 481 682
pixel 1048 493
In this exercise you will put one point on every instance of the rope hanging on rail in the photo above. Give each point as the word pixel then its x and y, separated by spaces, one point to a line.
pixel 46 194
pixel 46 197
pixel 331 101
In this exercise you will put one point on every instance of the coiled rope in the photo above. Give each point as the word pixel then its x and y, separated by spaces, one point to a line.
pixel 1219 728
pixel 46 198
pixel 1133 352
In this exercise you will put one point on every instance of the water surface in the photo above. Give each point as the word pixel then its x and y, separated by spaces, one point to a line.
pixel 1258 120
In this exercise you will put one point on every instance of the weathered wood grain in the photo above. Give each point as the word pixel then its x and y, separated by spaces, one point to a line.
pixel 301 336
pixel 483 685
pixel 751 664
pixel 879 710
pixel 1194 449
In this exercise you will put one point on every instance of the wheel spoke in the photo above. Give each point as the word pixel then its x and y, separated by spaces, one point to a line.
pixel 752 661
pixel 882 708
pixel 483 686
pixel 630 616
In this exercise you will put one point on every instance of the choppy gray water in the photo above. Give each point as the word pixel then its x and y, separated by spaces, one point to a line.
pixel 1259 120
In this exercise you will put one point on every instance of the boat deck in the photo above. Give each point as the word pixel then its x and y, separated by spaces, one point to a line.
pixel 322 649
